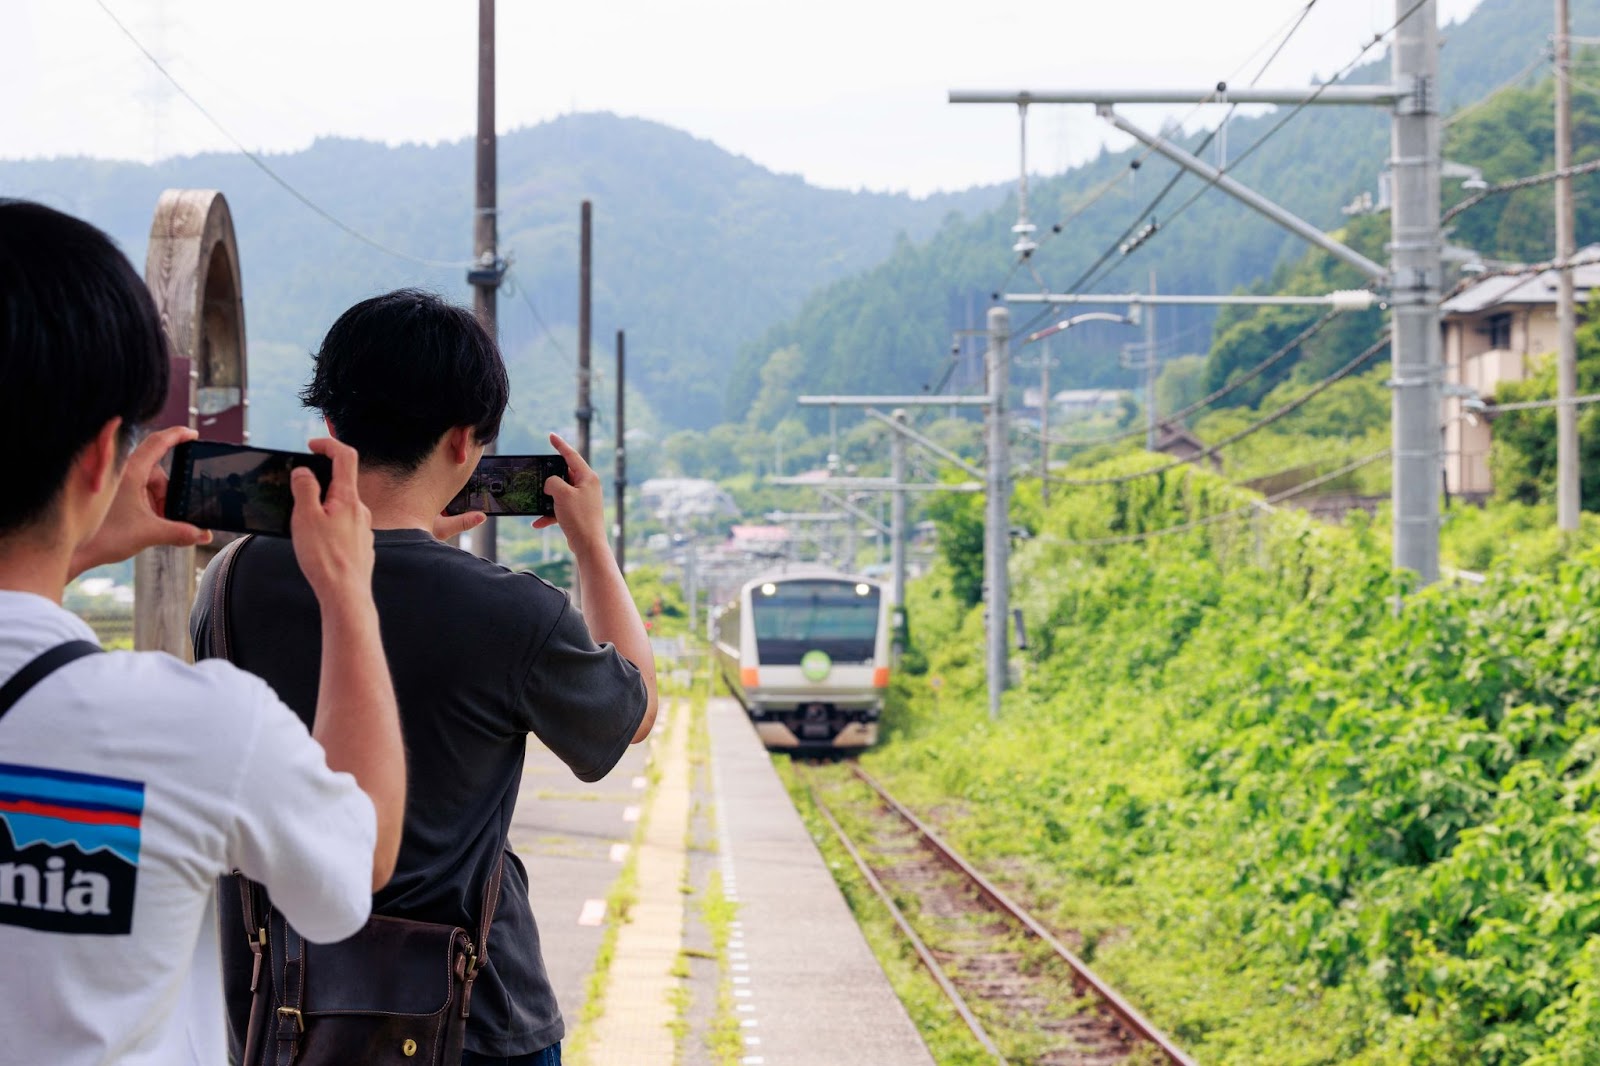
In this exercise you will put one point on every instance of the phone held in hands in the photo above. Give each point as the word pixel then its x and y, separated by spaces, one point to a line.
pixel 510 485
pixel 237 488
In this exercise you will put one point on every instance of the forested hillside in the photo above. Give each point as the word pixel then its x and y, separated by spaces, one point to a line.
pixel 695 249
pixel 889 329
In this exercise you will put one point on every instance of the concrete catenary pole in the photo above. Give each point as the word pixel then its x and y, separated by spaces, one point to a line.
pixel 1568 490
pixel 485 238
pixel 1150 371
pixel 1044 422
pixel 997 522
pixel 1414 290
pixel 621 484
pixel 897 512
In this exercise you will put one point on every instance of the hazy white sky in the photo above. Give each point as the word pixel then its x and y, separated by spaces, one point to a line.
pixel 848 93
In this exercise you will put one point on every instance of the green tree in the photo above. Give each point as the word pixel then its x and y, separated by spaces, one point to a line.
pixel 1523 454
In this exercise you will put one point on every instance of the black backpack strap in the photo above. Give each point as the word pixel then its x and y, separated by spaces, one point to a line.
pixel 42 667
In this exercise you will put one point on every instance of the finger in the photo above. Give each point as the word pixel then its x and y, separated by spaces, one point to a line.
pixel 155 447
pixel 181 534
pixel 447 526
pixel 543 522
pixel 346 465
pixel 575 464
pixel 307 492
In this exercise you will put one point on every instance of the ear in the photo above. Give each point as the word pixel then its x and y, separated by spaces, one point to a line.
pixel 99 463
pixel 458 444
pixel 328 425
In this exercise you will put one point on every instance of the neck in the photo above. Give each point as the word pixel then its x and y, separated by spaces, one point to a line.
pixel 39 566
pixel 398 502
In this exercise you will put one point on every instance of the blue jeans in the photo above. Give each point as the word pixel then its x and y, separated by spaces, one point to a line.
pixel 550 1056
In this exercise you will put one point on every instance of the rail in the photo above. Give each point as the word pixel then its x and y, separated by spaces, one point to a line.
pixel 1083 977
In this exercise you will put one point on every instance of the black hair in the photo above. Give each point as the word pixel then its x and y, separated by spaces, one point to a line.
pixel 80 344
pixel 398 371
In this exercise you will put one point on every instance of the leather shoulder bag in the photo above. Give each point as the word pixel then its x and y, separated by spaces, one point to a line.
pixel 398 993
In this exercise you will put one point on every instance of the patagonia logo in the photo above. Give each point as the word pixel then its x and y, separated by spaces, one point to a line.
pixel 69 850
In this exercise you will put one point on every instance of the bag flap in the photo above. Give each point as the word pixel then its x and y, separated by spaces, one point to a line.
pixel 392 966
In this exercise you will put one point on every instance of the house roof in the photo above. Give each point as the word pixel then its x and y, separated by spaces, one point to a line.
pixel 1528 285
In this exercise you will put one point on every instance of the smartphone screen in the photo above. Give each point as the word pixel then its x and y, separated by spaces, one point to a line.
pixel 237 488
pixel 509 485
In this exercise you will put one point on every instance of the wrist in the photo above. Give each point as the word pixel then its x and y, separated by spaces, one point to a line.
pixel 346 605
pixel 588 549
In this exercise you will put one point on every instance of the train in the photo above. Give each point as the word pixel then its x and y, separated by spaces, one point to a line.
pixel 806 652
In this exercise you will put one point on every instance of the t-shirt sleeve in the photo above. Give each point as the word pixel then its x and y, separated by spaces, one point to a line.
pixel 582 699
pixel 301 829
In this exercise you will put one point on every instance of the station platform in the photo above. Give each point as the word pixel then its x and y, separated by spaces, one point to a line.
pixel 805 987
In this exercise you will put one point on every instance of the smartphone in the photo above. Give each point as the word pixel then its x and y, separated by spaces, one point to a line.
pixel 237 488
pixel 509 485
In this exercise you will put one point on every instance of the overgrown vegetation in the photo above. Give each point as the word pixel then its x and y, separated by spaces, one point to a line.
pixel 1295 826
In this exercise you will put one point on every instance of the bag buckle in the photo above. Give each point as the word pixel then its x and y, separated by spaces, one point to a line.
pixel 294 1012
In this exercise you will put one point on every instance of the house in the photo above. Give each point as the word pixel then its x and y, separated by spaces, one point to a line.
pixel 1492 327
pixel 1175 439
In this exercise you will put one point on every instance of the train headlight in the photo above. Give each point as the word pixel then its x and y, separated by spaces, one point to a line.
pixel 769 589
pixel 863 589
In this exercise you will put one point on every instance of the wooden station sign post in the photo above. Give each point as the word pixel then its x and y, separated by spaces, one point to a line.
pixel 192 268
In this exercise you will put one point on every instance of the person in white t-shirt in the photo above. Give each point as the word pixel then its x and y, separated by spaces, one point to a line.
pixel 130 781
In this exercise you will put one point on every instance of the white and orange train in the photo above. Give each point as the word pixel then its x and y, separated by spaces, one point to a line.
pixel 806 651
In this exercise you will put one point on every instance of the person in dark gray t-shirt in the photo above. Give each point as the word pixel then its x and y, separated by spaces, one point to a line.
pixel 481 656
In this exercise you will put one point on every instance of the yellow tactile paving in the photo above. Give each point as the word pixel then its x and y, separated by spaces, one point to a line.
pixel 636 1028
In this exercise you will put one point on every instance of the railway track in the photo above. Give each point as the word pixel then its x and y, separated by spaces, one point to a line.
pixel 1026 997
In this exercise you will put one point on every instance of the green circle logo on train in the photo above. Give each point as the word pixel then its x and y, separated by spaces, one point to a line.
pixel 815 665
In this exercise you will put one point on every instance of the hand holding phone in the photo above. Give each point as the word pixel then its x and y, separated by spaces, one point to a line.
pixel 135 520
pixel 238 488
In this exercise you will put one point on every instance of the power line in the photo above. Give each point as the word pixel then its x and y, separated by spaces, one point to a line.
pixel 1539 405
pixel 522 291
pixel 1221 516
pixel 1139 160
pixel 453 264
pixel 1520 183
pixel 1210 450
pixel 1460 113
pixel 1211 398
pixel 1299 107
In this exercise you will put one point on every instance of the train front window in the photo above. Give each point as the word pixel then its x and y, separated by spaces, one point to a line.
pixel 836 617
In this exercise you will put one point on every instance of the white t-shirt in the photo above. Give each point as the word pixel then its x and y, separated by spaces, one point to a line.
pixel 128 783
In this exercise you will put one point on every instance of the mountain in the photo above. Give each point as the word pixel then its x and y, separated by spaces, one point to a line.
pixel 890 328
pixel 696 250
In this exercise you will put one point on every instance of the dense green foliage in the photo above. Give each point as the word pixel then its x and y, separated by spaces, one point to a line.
pixel 695 248
pixel 1296 827
pixel 889 329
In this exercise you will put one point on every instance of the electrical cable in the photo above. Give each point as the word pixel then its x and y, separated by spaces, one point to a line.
pixel 1139 160
pixel 1539 405
pixel 522 291
pixel 1520 183
pixel 323 213
pixel 1284 120
pixel 1206 401
pixel 1460 113
pixel 1210 450
pixel 1221 516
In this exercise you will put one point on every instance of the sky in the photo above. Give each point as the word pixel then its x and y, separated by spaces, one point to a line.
pixel 847 93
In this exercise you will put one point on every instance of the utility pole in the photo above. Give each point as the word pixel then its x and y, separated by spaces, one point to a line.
pixel 1150 372
pixel 1414 290
pixel 997 526
pixel 897 525
pixel 622 460
pixel 584 412
pixel 585 266
pixel 1044 423
pixel 487 270
pixel 1568 492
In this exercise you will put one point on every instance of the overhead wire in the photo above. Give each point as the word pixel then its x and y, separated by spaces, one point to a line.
pixel 1210 398
pixel 1461 112
pixel 279 179
pixel 1255 427
pixel 1519 183
pixel 1138 161
pixel 1221 516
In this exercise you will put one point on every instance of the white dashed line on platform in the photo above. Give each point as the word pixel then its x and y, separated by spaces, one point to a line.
pixel 619 853
pixel 593 913
pixel 630 813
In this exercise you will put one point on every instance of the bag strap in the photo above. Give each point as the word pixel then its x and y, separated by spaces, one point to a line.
pixel 219 637
pixel 41 667
pixel 491 900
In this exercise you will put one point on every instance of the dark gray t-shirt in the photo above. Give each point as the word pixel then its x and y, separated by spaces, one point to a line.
pixel 481 657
